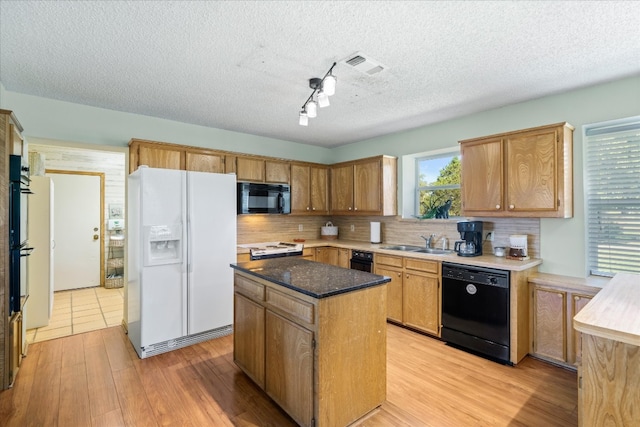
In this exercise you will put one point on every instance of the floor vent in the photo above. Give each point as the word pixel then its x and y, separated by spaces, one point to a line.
pixel 364 64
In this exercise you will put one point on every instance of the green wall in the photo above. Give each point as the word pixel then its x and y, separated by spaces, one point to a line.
pixel 562 240
pixel 65 121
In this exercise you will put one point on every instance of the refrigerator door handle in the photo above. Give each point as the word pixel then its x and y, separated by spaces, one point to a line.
pixel 189 247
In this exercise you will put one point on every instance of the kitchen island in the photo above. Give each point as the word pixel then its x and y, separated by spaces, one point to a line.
pixel 608 392
pixel 313 337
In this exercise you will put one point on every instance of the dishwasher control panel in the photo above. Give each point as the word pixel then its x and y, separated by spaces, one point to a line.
pixel 479 275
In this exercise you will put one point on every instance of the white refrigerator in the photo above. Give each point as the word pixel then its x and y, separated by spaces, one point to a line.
pixel 181 240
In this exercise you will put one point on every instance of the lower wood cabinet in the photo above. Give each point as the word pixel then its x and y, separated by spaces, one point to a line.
pixel 327 255
pixel 414 294
pixel 344 258
pixel 289 356
pixel 249 338
pixel 553 336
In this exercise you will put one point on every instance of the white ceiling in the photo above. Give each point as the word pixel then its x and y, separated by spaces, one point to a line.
pixel 244 65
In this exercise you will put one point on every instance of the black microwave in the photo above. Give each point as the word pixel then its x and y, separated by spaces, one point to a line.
pixel 255 198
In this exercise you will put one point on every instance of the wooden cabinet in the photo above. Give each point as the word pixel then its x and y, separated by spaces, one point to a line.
pixel 549 324
pixel 526 173
pixel 249 338
pixel 394 291
pixel 421 295
pixel 553 336
pixel 578 302
pixel 364 187
pixel 159 156
pixel 291 340
pixel 344 258
pixel 251 169
pixel 327 255
pixel 309 254
pixel 204 162
pixel 309 189
pixel 413 295
pixel 173 156
pixel 289 356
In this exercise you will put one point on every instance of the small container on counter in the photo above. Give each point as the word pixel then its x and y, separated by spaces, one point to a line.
pixel 499 251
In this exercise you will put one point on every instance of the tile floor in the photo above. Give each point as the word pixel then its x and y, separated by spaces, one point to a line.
pixel 81 310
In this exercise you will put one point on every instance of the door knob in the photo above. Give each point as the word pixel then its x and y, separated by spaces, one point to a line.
pixel 96 237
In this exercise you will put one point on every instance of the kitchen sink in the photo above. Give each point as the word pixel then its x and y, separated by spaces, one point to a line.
pixel 434 251
pixel 406 248
pixel 417 249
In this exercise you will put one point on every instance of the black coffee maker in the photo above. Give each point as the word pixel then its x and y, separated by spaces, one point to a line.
pixel 471 235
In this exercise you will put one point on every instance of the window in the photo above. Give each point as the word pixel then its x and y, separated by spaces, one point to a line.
pixel 612 196
pixel 438 185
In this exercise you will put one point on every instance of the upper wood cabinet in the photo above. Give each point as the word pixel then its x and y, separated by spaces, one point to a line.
pixel 260 170
pixel 309 189
pixel 173 156
pixel 250 169
pixel 527 173
pixel 364 187
pixel 204 162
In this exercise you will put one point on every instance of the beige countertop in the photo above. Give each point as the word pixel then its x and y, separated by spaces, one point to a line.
pixel 614 313
pixel 490 261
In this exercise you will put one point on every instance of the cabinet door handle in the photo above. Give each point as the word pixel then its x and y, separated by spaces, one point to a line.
pixel 559 295
pixel 497 206
pixel 512 207
pixel 399 275
pixel 349 207
pixel 307 207
pixel 355 209
pixel 313 209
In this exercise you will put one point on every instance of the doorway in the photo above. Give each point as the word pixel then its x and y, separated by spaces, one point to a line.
pixel 78 229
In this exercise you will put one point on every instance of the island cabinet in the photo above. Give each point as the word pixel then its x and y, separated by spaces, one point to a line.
pixel 327 255
pixel 609 374
pixel 526 173
pixel 364 187
pixel 309 189
pixel 414 294
pixel 553 337
pixel 322 359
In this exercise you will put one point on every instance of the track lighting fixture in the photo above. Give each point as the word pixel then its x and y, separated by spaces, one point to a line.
pixel 324 87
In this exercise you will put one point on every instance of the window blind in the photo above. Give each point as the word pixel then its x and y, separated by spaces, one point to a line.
pixel 612 178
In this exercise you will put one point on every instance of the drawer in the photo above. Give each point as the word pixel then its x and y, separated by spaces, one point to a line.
pixel 298 309
pixel 308 252
pixel 249 288
pixel 422 265
pixel 393 261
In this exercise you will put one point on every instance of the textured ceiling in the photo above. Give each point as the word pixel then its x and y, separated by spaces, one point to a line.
pixel 244 66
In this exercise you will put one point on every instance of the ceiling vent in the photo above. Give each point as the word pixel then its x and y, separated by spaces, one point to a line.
pixel 363 63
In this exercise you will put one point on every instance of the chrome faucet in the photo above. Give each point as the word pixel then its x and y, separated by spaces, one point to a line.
pixel 429 240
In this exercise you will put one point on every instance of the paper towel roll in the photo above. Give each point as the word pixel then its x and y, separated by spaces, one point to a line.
pixel 375 232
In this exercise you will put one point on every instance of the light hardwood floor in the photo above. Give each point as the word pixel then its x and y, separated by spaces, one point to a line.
pixel 96 379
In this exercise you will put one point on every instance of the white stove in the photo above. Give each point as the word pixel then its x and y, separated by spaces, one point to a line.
pixel 273 249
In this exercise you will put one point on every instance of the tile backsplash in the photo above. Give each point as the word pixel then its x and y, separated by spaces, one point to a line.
pixel 264 228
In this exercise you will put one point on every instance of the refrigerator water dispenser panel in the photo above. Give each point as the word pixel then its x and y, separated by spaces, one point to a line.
pixel 163 244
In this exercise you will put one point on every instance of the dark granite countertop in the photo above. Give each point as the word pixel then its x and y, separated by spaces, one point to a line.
pixel 311 278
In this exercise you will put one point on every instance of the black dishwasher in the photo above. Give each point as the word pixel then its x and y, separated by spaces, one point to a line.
pixel 475 310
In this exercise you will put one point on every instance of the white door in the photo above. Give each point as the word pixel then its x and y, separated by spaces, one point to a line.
pixel 211 249
pixel 77 231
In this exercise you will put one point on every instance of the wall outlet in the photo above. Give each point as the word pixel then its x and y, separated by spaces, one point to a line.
pixel 353 227
pixel 300 227
pixel 489 236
